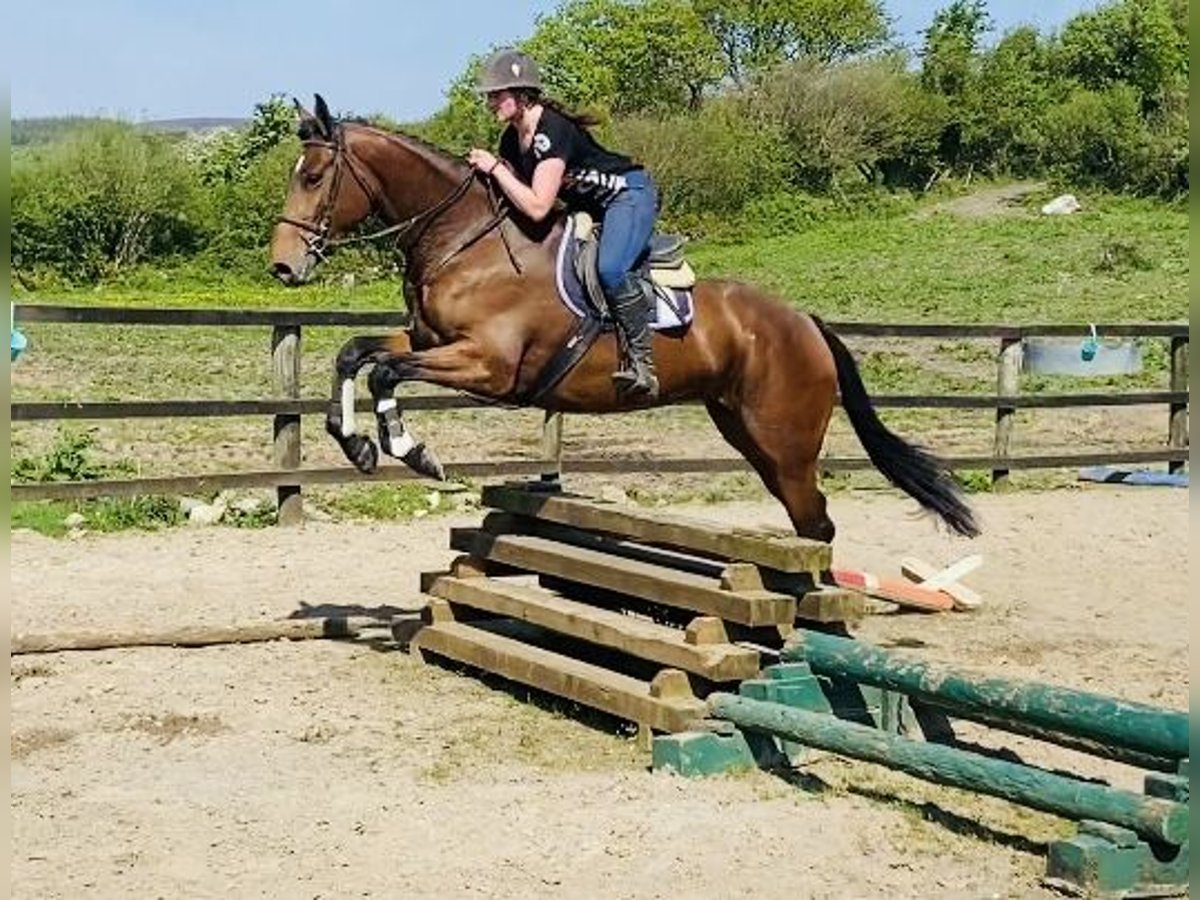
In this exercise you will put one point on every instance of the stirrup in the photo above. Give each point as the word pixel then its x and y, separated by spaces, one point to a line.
pixel 636 382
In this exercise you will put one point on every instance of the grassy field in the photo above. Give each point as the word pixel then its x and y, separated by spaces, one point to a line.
pixel 1119 260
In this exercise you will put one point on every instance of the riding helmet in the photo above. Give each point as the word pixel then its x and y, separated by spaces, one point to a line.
pixel 507 69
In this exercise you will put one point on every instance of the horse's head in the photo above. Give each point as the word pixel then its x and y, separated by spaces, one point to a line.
pixel 321 201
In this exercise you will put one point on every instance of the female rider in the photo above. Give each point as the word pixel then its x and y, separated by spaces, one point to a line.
pixel 548 154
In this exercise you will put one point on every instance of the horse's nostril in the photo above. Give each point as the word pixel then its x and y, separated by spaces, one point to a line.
pixel 283 272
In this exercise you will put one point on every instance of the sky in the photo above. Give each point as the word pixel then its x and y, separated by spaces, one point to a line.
pixel 142 60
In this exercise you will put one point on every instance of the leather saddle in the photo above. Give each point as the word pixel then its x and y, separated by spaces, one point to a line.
pixel 664 264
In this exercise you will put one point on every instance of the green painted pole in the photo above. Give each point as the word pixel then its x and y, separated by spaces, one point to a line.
pixel 1107 720
pixel 1152 818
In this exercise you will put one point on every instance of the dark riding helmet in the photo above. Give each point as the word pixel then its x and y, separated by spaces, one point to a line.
pixel 508 69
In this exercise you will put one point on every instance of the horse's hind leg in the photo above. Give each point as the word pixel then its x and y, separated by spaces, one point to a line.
pixel 785 458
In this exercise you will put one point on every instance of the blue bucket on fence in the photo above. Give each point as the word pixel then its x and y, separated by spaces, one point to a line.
pixel 17 344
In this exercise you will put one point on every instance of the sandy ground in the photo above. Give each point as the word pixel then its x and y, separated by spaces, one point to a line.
pixel 339 769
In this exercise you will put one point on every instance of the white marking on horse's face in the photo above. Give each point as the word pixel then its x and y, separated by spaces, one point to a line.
pixel 299 165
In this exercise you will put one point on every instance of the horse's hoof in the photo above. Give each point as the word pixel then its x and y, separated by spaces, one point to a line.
pixel 424 461
pixel 361 451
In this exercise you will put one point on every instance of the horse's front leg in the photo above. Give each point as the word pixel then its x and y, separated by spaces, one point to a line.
pixel 394 438
pixel 462 366
pixel 340 419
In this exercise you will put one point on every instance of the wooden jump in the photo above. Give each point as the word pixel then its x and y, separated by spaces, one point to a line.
pixel 664 602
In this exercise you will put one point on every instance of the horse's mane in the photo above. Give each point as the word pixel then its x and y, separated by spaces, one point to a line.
pixel 458 163
pixel 407 136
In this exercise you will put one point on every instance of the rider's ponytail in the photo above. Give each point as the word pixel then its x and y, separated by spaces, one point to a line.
pixel 528 97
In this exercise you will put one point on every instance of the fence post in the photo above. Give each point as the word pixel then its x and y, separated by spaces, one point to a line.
pixel 552 434
pixel 1008 384
pixel 1177 433
pixel 285 360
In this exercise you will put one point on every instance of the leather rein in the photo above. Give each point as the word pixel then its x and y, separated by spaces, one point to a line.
pixel 316 234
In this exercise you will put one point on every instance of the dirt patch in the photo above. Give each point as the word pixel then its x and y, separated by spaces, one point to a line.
pixel 989 202
pixel 173 726
pixel 23 744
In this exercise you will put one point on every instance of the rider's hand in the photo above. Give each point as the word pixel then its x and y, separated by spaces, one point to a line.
pixel 483 160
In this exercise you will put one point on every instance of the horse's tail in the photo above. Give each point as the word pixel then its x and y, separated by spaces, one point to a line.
pixel 919 474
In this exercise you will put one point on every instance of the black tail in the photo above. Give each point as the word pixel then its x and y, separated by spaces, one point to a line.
pixel 919 474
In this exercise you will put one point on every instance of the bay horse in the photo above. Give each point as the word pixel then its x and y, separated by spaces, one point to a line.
pixel 486 319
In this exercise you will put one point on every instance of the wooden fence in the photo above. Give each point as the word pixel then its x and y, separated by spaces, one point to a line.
pixel 287 408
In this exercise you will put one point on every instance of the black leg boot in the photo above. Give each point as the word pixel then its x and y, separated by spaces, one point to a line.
pixel 631 311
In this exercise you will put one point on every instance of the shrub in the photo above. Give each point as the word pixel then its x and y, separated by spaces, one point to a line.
pixel 106 198
pixel 713 162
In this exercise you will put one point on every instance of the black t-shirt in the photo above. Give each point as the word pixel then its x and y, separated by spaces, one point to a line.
pixel 593 175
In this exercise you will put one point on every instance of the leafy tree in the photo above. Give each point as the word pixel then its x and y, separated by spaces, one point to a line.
pixel 1002 115
pixel 626 57
pixel 949 68
pixel 951 42
pixel 1143 43
pixel 227 155
pixel 754 35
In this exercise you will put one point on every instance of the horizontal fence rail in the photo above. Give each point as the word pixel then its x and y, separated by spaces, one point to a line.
pixel 136 315
pixel 287 409
pixel 182 409
pixel 84 490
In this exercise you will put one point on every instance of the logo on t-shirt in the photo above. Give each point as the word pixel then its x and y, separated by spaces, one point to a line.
pixel 541 143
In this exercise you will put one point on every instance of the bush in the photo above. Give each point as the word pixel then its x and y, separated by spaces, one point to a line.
pixel 1100 137
pixel 244 210
pixel 106 198
pixel 866 118
pixel 714 162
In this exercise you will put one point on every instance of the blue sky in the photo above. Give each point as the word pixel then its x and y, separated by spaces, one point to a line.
pixel 153 59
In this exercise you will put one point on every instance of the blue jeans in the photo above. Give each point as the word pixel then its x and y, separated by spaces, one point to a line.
pixel 628 223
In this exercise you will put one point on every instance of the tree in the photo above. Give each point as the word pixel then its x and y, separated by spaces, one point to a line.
pixel 227 155
pixel 950 44
pixel 1002 115
pixel 625 57
pixel 949 69
pixel 757 34
pixel 1142 43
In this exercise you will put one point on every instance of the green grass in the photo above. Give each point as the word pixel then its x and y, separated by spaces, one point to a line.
pixel 1119 260
pixel 386 502
pixel 106 514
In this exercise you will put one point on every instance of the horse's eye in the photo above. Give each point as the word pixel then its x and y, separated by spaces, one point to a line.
pixel 312 179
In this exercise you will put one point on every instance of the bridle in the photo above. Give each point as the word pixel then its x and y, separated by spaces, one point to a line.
pixel 316 233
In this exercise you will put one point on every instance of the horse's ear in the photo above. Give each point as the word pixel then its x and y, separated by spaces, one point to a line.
pixel 321 109
pixel 307 125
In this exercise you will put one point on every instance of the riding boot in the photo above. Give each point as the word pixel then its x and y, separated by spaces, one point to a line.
pixel 631 311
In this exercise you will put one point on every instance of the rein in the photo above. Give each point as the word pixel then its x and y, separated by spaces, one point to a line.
pixel 317 239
